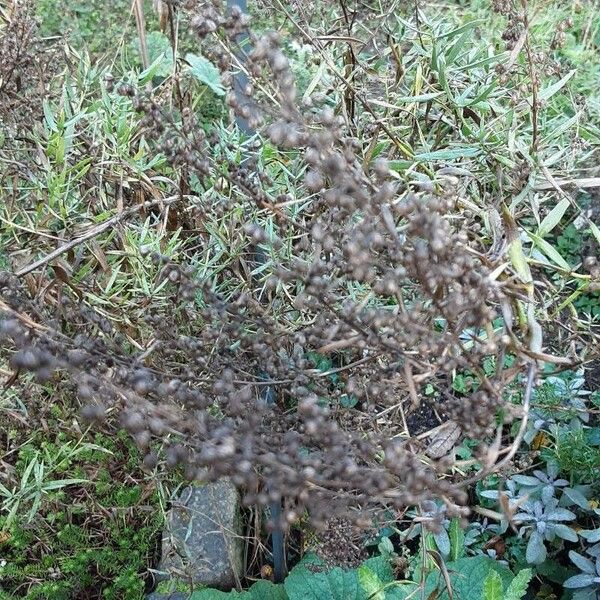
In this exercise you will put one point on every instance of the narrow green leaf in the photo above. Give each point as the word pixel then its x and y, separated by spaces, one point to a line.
pixel 27 473
pixel 484 94
pixel 146 75
pixel 457 539
pixel 550 251
pixel 419 97
pixel 459 30
pixel 519 261
pixel 548 92
pixel 60 483
pixel 48 116
pixel 595 231
pixel 454 50
pixel 564 126
pixel 448 154
pixel 553 218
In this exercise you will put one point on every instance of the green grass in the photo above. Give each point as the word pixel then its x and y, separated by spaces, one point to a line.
pixel 93 539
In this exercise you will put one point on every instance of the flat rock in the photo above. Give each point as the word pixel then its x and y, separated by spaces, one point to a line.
pixel 202 542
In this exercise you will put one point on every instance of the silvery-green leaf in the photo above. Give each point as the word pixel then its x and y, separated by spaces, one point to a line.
pixel 547 493
pixel 492 494
pixel 522 516
pixel 591 535
pixel 385 546
pixel 587 593
pixel 575 497
pixel 594 550
pixel 552 469
pixel 564 532
pixel 560 514
pixel 581 562
pixel 536 551
pixel 579 581
pixel 526 480
pixel 442 541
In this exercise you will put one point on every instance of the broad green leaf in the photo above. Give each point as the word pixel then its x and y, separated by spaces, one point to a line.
pixel 554 571
pixel 448 154
pixel 579 581
pixel 457 539
pixel 381 566
pixel 553 218
pixel 492 586
pixel 442 541
pixel 311 580
pixel 589 593
pixel 160 55
pixel 518 586
pixel 466 576
pixel 261 590
pixel 370 584
pixel 205 72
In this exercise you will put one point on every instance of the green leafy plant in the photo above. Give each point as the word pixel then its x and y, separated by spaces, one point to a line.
pixel 588 581
pixel 312 580
pixel 78 539
pixel 493 587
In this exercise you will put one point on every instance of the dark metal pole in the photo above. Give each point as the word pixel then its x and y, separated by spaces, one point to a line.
pixel 267 395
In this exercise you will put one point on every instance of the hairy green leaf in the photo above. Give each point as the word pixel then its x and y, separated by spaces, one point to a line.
pixel 492 586
pixel 518 586
pixel 205 72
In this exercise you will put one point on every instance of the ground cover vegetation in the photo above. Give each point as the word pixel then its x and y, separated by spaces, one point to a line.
pixel 364 285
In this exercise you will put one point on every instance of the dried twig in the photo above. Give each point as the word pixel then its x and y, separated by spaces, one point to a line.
pixel 93 232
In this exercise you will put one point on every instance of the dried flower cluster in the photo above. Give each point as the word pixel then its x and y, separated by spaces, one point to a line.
pixel 378 276
pixel 26 67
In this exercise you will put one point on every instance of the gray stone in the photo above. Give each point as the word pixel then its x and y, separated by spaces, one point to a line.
pixel 202 542
pixel 173 596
